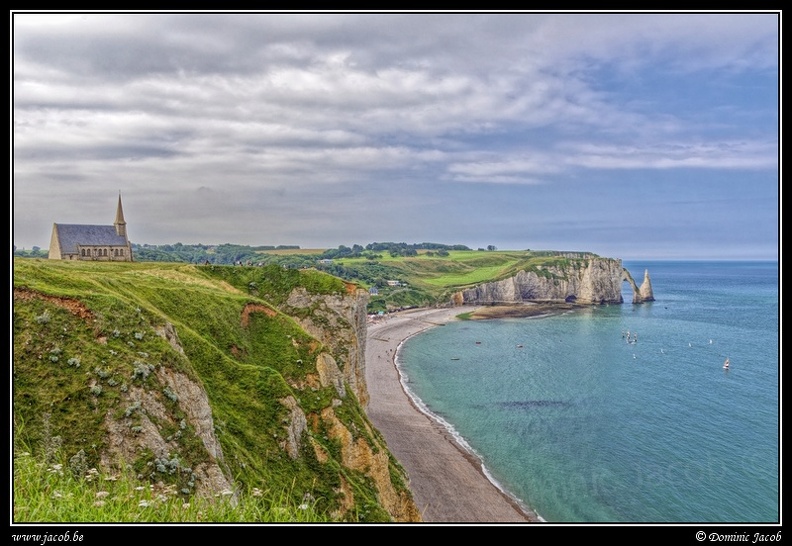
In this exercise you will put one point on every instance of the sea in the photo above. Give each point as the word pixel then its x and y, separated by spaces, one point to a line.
pixel 622 413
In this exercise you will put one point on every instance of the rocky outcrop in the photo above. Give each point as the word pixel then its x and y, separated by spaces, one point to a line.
pixel 359 455
pixel 141 427
pixel 583 281
pixel 338 321
pixel 329 374
pixel 193 401
pixel 297 424
pixel 642 294
pixel 646 292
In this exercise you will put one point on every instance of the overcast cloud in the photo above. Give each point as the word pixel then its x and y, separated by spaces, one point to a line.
pixel 631 136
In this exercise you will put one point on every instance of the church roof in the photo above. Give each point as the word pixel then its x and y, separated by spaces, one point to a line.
pixel 71 235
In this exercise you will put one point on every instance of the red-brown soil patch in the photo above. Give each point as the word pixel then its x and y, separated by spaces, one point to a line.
pixel 255 308
pixel 73 306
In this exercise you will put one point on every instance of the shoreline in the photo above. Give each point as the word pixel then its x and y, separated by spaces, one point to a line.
pixel 458 441
pixel 447 478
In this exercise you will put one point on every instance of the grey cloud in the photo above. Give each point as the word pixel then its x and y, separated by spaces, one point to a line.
pixel 323 111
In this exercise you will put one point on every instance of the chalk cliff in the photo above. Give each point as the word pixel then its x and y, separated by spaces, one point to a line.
pixel 583 281
pixel 338 321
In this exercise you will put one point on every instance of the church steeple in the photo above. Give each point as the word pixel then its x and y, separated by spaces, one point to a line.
pixel 120 223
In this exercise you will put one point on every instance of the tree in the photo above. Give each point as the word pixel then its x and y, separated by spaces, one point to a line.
pixel 492 247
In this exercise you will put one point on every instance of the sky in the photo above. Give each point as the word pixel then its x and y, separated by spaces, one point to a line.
pixel 630 135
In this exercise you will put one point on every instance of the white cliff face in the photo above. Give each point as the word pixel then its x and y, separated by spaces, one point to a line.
pixel 591 281
pixel 339 322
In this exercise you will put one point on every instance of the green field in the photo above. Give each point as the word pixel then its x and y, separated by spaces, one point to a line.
pixel 476 275
pixel 436 274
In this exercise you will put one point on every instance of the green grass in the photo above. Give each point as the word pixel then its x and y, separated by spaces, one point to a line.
pixel 474 276
pixel 85 337
pixel 53 492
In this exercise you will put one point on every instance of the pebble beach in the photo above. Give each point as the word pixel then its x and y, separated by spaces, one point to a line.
pixel 447 482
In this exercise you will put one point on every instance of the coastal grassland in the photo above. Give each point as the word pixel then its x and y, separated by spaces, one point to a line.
pixel 273 282
pixel 473 276
pixel 87 336
pixel 51 491
pixel 432 277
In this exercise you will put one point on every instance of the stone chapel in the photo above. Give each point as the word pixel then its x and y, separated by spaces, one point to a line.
pixel 88 242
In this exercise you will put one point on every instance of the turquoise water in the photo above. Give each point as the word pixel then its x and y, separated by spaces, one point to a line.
pixel 582 426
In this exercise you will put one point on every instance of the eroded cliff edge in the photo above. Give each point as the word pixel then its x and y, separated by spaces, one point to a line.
pixel 582 281
pixel 215 381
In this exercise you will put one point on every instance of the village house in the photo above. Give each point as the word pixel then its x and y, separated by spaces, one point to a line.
pixel 91 242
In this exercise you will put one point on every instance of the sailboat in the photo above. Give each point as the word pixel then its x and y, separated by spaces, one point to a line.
pixel 726 364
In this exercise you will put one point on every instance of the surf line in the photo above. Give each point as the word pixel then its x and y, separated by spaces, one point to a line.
pixel 456 437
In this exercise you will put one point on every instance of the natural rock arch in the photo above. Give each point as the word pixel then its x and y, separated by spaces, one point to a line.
pixel 645 292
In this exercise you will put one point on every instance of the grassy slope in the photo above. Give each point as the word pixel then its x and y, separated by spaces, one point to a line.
pixel 65 381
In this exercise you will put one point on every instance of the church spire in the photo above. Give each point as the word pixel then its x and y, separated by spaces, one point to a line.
pixel 120 223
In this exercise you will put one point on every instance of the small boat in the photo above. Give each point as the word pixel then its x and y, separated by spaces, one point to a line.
pixel 478 343
pixel 454 358
pixel 726 363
